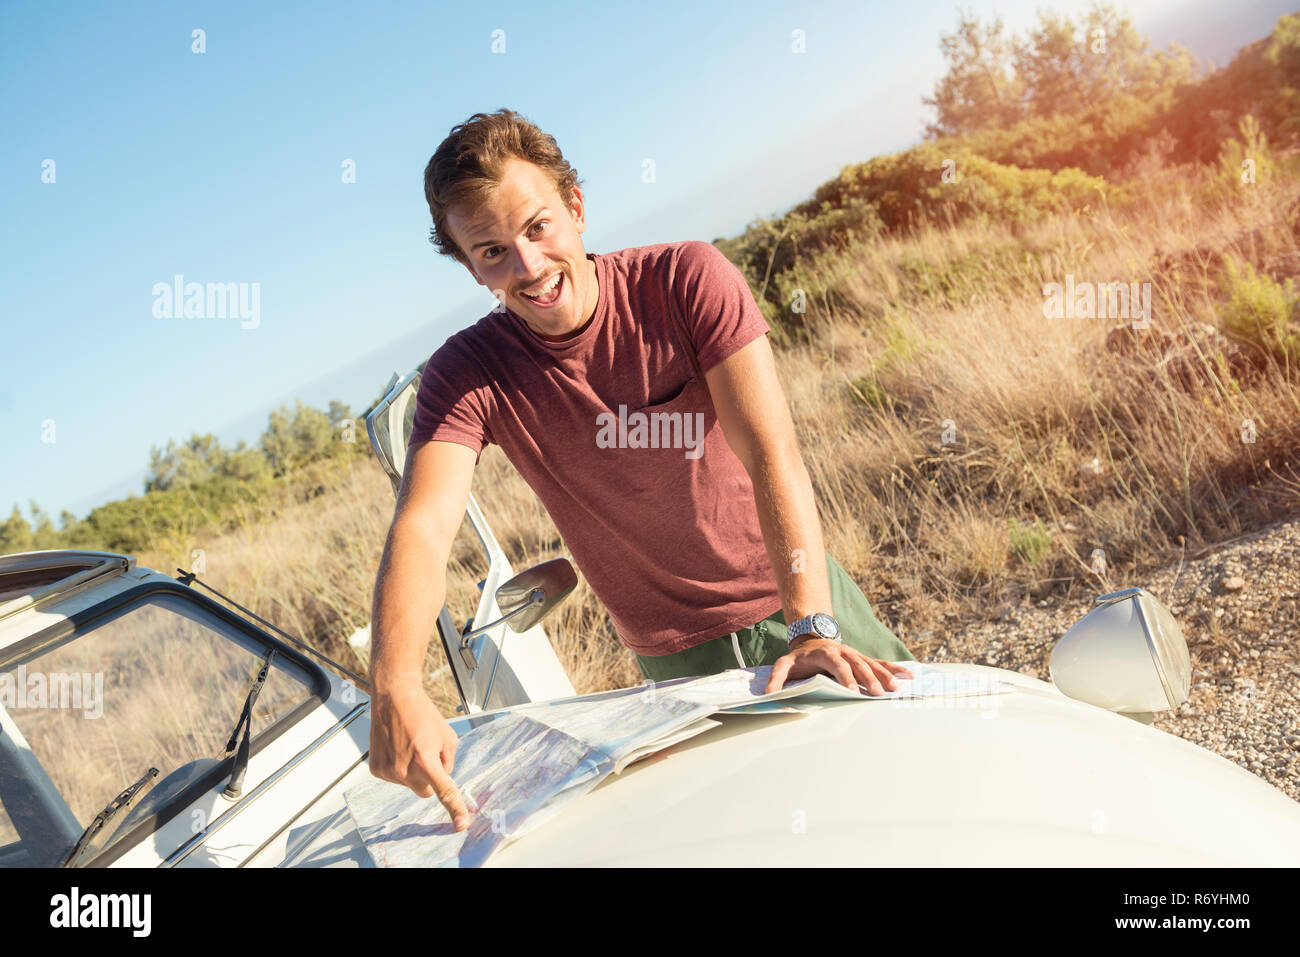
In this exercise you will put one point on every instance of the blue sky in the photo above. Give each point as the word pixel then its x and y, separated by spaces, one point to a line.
pixel 226 166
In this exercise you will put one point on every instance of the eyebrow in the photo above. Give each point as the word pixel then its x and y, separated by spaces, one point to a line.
pixel 494 242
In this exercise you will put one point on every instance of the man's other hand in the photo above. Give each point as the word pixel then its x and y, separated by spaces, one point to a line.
pixel 412 744
pixel 848 666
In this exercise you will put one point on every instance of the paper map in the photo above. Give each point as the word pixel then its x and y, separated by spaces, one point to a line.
pixel 519 767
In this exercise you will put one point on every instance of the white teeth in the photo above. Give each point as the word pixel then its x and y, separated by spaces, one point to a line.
pixel 540 291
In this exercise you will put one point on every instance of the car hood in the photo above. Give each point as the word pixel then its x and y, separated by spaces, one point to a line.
pixel 1029 777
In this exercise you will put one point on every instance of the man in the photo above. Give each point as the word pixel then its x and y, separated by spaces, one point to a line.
pixel 637 395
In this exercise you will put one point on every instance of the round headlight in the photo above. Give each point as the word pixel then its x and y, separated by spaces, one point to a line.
pixel 1127 654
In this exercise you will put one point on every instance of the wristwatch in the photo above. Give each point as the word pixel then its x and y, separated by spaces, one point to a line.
pixel 818 625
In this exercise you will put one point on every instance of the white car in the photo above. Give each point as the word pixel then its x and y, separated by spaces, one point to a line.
pixel 111 674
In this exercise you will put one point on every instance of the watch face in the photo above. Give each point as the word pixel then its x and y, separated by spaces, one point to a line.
pixel 825 625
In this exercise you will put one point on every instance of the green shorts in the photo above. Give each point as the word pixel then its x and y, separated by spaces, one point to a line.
pixel 763 643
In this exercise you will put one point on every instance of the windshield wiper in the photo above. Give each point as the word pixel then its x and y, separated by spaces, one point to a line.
pixel 238 742
pixel 245 723
pixel 118 803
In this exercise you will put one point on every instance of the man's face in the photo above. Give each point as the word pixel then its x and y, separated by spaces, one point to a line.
pixel 520 240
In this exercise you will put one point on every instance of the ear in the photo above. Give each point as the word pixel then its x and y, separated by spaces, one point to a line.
pixel 578 210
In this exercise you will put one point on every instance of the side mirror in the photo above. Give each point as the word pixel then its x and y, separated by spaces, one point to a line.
pixel 538 590
pixel 1126 655
pixel 527 598
pixel 523 601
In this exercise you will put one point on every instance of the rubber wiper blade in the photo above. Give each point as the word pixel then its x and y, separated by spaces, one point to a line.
pixel 119 803
pixel 243 741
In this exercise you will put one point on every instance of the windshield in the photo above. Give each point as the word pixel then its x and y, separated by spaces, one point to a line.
pixel 157 683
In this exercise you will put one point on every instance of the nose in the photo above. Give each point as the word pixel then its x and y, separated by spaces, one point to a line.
pixel 530 263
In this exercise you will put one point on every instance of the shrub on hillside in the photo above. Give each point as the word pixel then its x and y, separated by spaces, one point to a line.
pixel 1245 162
pixel 1262 311
pixel 1029 543
pixel 895 193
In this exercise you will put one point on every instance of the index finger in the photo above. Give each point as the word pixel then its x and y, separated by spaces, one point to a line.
pixel 444 788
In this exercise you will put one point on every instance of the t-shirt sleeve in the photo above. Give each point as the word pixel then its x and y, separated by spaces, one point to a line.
pixel 716 303
pixel 453 401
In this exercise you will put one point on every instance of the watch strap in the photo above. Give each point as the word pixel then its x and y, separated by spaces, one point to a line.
pixel 804 626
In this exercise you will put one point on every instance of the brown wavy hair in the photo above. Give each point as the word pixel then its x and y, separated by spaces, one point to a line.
pixel 467 167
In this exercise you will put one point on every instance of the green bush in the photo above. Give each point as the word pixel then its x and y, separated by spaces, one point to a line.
pixel 1031 543
pixel 1101 140
pixel 1261 311
pixel 928 183
pixel 1245 162
pixel 893 194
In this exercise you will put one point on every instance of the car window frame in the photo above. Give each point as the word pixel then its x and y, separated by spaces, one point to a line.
pixel 116 606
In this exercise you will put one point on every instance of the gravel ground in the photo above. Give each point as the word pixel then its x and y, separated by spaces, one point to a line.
pixel 1239 609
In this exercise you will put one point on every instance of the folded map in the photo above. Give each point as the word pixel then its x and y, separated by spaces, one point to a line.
pixel 518 767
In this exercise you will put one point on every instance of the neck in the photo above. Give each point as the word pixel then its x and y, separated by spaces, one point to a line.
pixel 590 297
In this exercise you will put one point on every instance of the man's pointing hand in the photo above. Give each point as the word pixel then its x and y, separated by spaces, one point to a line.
pixel 412 744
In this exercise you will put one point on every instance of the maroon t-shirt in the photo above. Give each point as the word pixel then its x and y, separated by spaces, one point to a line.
pixel 615 432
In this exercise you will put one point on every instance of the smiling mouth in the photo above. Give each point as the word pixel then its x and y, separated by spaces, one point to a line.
pixel 551 295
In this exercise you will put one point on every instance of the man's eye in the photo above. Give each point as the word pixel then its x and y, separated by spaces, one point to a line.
pixel 488 253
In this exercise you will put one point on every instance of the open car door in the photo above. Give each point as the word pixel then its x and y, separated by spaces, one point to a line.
pixel 526 667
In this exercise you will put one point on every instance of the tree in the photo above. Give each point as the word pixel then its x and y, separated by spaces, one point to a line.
pixel 15 534
pixel 294 438
pixel 1061 68
pixel 200 460
pixel 182 466
pixel 246 464
pixel 162 467
pixel 1066 68
pixel 44 535
pixel 338 411
pixel 1283 54
pixel 980 87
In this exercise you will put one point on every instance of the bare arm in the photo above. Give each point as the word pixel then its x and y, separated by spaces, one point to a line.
pixel 757 425
pixel 412 583
pixel 410 742
pixel 756 422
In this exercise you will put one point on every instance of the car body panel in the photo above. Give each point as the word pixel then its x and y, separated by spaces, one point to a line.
pixel 1019 779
